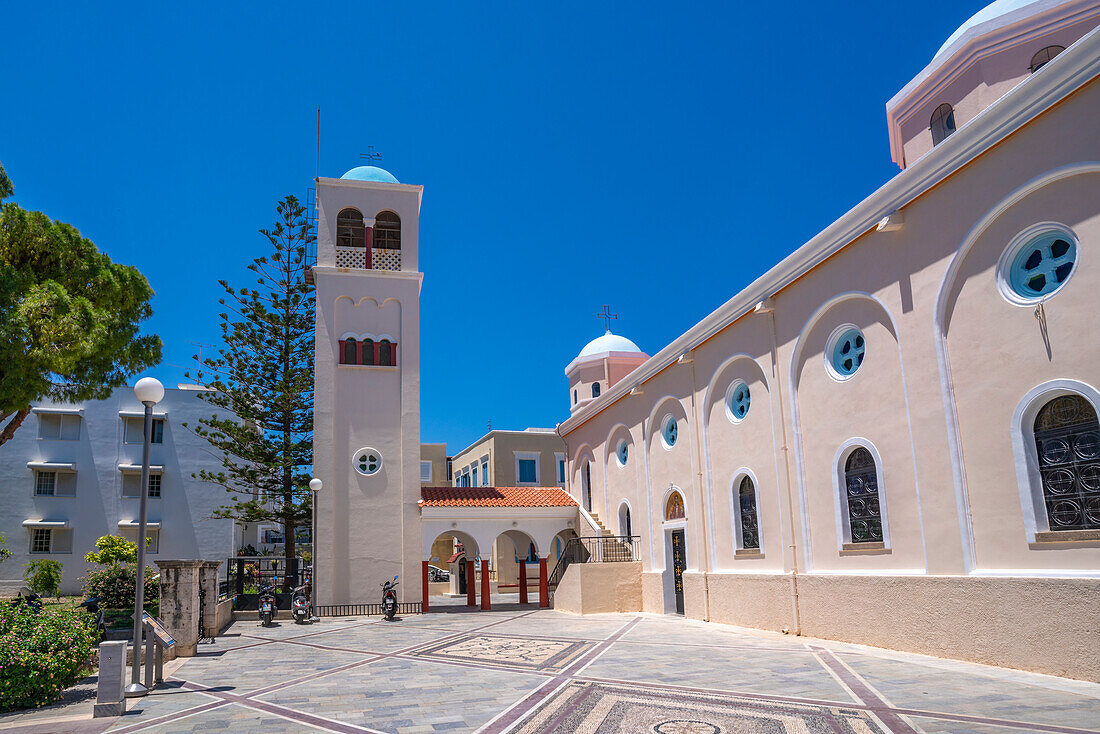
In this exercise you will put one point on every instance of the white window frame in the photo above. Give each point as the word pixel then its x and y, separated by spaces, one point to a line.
pixel 54 550
pixel 63 420
pixel 485 471
pixel 128 471
pixel 153 533
pixel 559 462
pixel 141 429
pixel 528 456
pixel 1026 456
pixel 425 465
pixel 840 492
pixel 64 484
pixel 49 535
pixel 735 509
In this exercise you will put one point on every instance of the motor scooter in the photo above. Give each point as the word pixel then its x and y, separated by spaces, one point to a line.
pixel 268 605
pixel 299 604
pixel 30 600
pixel 92 605
pixel 389 599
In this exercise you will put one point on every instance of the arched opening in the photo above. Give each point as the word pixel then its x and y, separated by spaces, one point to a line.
pixel 349 351
pixel 514 561
pixel 861 494
pixel 942 123
pixel 674 506
pixel 447 563
pixel 385 353
pixel 387 231
pixel 350 230
pixel 595 389
pixel 749 529
pixel 1067 443
pixel 367 354
pixel 1044 57
pixel 625 528
pixel 586 485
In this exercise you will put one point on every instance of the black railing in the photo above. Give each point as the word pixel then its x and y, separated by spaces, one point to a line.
pixel 602 549
pixel 246 575
pixel 356 610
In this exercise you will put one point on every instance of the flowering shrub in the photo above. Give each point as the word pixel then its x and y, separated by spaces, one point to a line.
pixel 41 653
pixel 114 584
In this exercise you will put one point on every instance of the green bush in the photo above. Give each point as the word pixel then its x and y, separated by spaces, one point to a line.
pixel 112 549
pixel 115 585
pixel 44 577
pixel 41 653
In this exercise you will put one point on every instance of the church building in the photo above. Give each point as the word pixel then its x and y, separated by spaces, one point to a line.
pixel 888 438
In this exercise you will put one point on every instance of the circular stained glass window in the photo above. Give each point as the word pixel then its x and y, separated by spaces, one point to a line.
pixel 1038 264
pixel 737 401
pixel 367 461
pixel 622 452
pixel 846 350
pixel 669 431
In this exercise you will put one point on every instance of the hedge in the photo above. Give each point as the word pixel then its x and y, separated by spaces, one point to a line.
pixel 41 653
pixel 114 585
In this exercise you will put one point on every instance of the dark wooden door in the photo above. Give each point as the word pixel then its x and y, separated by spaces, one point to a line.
pixel 679 563
pixel 461 575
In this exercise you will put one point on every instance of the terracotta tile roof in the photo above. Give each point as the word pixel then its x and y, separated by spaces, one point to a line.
pixel 495 497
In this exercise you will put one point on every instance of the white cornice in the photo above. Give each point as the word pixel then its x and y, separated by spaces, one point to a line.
pixel 348 183
pixel 1035 95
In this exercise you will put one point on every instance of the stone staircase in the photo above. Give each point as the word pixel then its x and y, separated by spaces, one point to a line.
pixel 611 549
pixel 603 530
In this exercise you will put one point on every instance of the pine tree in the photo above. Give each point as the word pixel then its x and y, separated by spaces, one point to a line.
pixel 263 373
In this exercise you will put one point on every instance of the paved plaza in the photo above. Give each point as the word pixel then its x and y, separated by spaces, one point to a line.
pixel 525 670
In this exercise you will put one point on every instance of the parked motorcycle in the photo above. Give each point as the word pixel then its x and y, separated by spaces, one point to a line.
pixel 30 600
pixel 389 599
pixel 92 605
pixel 268 605
pixel 299 604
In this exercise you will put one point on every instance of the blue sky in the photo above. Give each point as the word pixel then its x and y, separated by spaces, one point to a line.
pixel 654 156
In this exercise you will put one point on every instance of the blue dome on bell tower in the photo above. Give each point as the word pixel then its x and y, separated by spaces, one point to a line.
pixel 370 173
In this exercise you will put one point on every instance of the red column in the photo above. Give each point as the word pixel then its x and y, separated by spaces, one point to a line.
pixel 544 585
pixel 523 581
pixel 370 248
pixel 485 604
pixel 471 583
pixel 424 585
pixel 377 347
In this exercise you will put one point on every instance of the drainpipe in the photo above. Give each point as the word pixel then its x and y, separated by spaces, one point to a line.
pixel 768 306
pixel 699 483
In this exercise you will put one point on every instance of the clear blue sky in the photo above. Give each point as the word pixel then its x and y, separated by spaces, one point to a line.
pixel 654 156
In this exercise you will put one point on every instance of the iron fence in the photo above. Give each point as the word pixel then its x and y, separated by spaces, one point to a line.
pixel 246 575
pixel 369 610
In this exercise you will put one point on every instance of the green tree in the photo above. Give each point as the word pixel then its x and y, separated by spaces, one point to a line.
pixel 4 552
pixel 44 577
pixel 263 373
pixel 68 315
pixel 112 549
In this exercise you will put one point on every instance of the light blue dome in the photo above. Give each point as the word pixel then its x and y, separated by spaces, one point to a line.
pixel 994 11
pixel 370 173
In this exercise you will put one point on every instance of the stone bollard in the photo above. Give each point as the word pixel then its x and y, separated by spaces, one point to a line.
pixel 110 700
pixel 179 604
pixel 208 581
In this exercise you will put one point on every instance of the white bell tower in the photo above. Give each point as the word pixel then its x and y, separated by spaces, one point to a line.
pixel 366 437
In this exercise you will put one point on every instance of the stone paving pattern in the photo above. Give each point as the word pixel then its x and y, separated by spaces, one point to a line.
pixel 529 671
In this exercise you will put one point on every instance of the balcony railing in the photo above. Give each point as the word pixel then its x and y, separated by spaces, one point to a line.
pixel 599 549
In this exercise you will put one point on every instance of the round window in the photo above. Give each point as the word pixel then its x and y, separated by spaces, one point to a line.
pixel 737 401
pixel 367 461
pixel 1037 263
pixel 845 352
pixel 622 452
pixel 669 431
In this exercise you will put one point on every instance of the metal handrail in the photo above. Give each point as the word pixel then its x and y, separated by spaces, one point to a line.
pixel 601 549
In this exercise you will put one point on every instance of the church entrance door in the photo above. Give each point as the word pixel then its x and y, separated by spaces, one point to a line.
pixel 679 563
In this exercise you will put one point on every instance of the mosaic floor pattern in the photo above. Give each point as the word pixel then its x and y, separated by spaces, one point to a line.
pixel 612 709
pixel 522 670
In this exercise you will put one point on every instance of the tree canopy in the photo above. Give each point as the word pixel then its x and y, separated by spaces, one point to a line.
pixel 263 374
pixel 69 317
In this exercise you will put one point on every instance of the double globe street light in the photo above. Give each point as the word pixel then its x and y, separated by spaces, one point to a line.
pixel 149 392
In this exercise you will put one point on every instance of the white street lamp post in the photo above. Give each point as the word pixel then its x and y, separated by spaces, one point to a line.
pixel 315 485
pixel 149 392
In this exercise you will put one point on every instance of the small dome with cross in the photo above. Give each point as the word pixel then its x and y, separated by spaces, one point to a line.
pixel 370 173
pixel 608 343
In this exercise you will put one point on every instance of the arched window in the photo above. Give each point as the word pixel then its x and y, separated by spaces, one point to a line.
pixel 350 231
pixel 746 500
pixel 1067 440
pixel 1044 57
pixel 861 492
pixel 574 400
pixel 588 486
pixel 624 520
pixel 674 507
pixel 595 389
pixel 387 231
pixel 348 352
pixel 367 355
pixel 942 123
pixel 385 353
